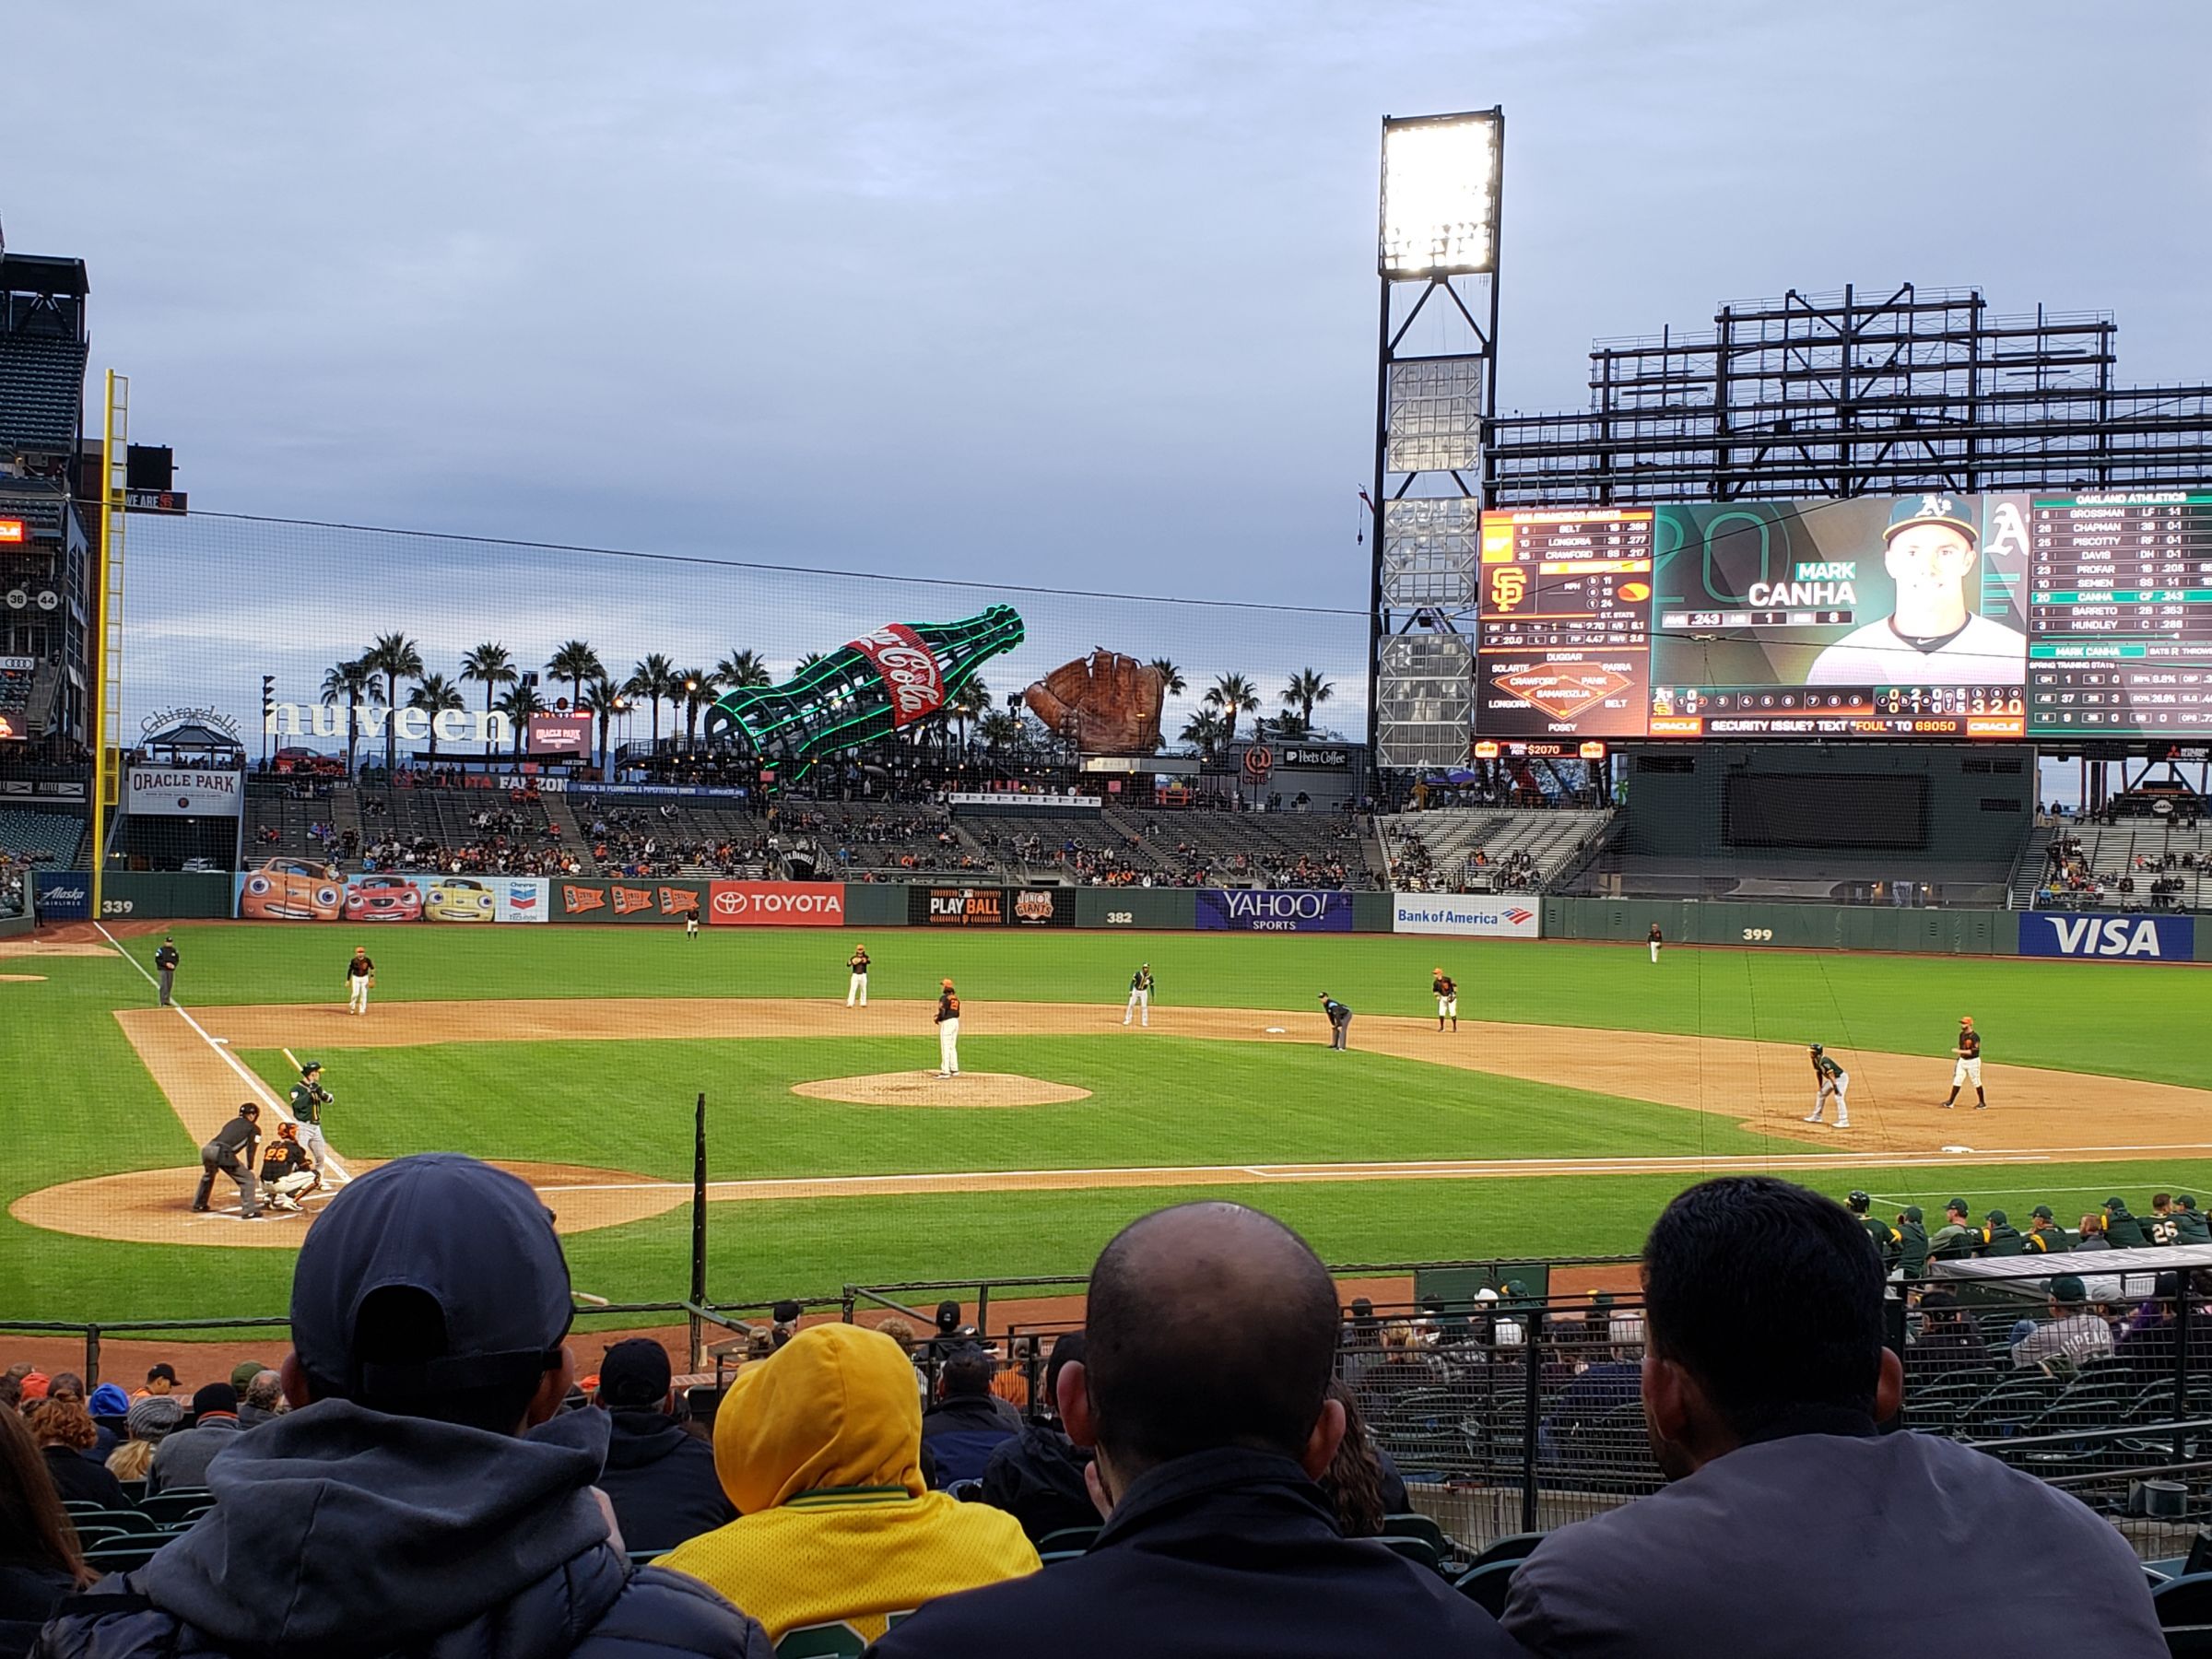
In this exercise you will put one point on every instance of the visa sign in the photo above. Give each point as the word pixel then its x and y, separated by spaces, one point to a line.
pixel 2121 938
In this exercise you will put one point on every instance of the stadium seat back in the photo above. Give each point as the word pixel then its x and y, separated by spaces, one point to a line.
pixel 2186 1600
pixel 1486 1585
pixel 1515 1546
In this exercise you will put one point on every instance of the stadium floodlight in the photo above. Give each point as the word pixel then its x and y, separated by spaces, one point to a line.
pixel 1440 195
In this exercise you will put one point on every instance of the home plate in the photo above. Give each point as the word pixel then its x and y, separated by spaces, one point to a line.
pixel 1958 1149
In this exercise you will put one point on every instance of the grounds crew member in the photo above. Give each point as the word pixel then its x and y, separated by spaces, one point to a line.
pixel 1829 1079
pixel 856 987
pixel 165 964
pixel 1340 1020
pixel 1447 998
pixel 1957 1237
pixel 1140 995
pixel 361 979
pixel 949 1030
pixel 1999 1237
pixel 1887 1239
pixel 2044 1235
pixel 1969 1066
pixel 1912 1243
pixel 309 1096
pixel 232 1151
pixel 2121 1230
pixel 2190 1227
pixel 286 1170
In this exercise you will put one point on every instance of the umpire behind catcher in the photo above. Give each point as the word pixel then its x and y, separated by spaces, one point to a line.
pixel 232 1151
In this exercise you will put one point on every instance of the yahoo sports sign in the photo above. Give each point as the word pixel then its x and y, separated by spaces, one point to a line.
pixel 1293 909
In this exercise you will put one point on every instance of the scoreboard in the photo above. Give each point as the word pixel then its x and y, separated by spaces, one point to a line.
pixel 2120 615
pixel 1939 616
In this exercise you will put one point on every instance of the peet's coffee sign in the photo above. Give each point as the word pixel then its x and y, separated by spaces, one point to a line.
pixel 1317 759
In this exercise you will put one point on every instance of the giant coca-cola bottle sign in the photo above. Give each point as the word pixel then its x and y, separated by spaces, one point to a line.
pixel 910 675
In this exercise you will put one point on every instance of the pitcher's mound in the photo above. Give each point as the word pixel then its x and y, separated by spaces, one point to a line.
pixel 926 1088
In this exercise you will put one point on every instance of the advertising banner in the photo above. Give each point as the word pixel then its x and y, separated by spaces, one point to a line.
pixel 1041 907
pixel 776 903
pixel 1467 915
pixel 62 895
pixel 1238 910
pixel 301 890
pixel 955 907
pixel 2109 938
pixel 163 792
pixel 627 901
pixel 559 737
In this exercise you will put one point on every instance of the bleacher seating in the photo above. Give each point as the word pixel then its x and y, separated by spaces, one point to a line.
pixel 1520 849
pixel 41 381
pixel 49 840
pixel 2111 853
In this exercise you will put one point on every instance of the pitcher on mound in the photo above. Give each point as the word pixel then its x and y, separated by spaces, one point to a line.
pixel 949 1031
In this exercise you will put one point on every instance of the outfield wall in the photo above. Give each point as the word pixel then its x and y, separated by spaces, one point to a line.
pixel 1746 924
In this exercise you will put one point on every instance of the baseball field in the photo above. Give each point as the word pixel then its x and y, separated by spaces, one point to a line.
pixel 1583 1085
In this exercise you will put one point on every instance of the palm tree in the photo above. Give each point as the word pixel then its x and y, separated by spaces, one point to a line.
pixel 699 688
pixel 574 662
pixel 395 657
pixel 1204 730
pixel 1171 681
pixel 810 659
pixel 742 669
pixel 654 679
pixel 518 705
pixel 1231 694
pixel 490 664
pixel 1288 724
pixel 1307 686
pixel 603 698
pixel 998 728
pixel 435 696
pixel 345 685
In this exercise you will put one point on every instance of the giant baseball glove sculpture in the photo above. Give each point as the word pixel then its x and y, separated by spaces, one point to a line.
pixel 1107 702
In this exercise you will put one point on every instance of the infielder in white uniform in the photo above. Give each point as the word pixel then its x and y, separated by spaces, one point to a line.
pixel 856 987
pixel 1831 1079
pixel 1968 1066
pixel 360 976
pixel 949 1031
pixel 1934 637
pixel 1446 990
pixel 1140 995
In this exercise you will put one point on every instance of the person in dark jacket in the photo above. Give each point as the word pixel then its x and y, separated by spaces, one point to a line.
pixel 1912 1243
pixel 659 1475
pixel 397 1509
pixel 180 1462
pixel 39 1560
pixel 1038 1477
pixel 64 1432
pixel 1210 1336
pixel 965 1425
pixel 1762 1389
pixel 2121 1230
pixel 1947 1343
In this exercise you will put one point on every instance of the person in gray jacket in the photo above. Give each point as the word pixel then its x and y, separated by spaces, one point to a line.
pixel 180 1462
pixel 397 1508
pixel 1791 1525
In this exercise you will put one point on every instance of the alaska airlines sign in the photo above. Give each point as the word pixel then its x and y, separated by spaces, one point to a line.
pixel 409 725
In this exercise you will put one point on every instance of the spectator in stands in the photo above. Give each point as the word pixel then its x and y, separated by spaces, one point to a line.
pixel 2101 1287
pixel 150 1421
pixel 2146 1344
pixel 1361 1483
pixel 1037 1475
pixel 1948 1343
pixel 659 1475
pixel 1766 1379
pixel 263 1400
pixel 1210 1336
pixel 404 1512
pixel 183 1461
pixel 2075 1332
pixel 1603 1390
pixel 1405 1368
pixel 965 1425
pixel 160 1380
pixel 820 1450
pixel 63 1429
pixel 39 1558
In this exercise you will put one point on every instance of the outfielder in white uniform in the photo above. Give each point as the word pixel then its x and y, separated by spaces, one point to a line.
pixel 949 1031
pixel 1140 995
pixel 1834 1080
pixel 1968 1066
pixel 856 987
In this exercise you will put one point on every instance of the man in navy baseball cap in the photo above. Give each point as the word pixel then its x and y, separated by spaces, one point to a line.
pixel 402 1505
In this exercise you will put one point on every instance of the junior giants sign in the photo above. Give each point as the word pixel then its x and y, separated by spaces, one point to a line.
pixel 163 794
pixel 1469 917
pixel 1297 910
pixel 776 903
pixel 2110 938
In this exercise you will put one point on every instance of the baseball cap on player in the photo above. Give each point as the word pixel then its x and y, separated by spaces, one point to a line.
pixel 2041 1212
pixel 947 984
pixel 2184 1201
pixel 1956 1205
pixel 475 1240
pixel 1911 1212
pixel 1859 1201
pixel 1998 1217
pixel 1819 1050
pixel 2068 1289
pixel 1966 1019
pixel 1932 510
pixel 306 1066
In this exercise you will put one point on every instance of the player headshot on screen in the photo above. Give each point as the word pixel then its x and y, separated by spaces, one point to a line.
pixel 1935 637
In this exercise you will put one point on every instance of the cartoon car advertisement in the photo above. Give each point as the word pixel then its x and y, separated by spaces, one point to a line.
pixel 291 889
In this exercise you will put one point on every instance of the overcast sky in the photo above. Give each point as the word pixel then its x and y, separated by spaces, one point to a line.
pixel 1061 293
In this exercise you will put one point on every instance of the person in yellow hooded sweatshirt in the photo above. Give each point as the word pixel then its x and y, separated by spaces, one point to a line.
pixel 819 1448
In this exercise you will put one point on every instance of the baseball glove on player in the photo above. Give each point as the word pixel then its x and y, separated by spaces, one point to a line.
pixel 1108 702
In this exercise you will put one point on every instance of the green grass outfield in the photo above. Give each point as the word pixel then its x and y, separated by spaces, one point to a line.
pixel 77 1102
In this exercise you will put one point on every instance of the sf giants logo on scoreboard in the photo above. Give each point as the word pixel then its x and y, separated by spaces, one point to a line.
pixel 910 671
pixel 2111 938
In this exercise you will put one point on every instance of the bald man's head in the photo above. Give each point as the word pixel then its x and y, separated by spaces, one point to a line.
pixel 1209 1325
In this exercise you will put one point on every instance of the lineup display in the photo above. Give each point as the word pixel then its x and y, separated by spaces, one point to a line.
pixel 1938 615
